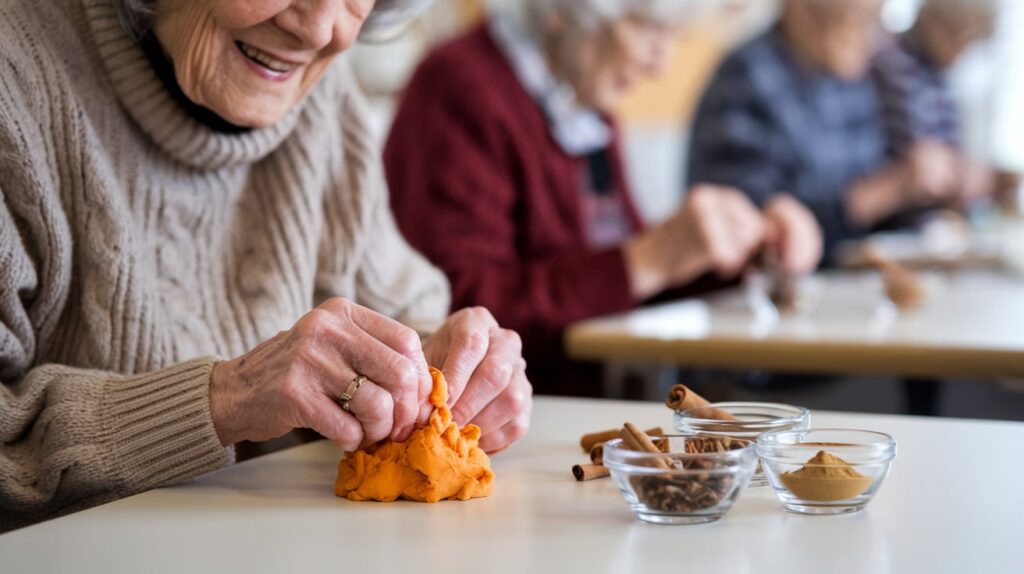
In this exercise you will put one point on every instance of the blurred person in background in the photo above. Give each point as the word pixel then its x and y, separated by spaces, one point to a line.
pixel 505 170
pixel 795 111
pixel 917 101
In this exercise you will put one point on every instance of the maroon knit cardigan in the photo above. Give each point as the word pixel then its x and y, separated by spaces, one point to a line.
pixel 481 188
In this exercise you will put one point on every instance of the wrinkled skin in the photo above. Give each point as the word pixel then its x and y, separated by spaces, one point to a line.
pixel 201 39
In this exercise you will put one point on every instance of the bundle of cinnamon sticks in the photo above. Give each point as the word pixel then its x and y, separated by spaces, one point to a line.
pixel 679 398
pixel 593 443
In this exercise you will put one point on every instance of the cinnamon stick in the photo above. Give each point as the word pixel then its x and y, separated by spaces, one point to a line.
pixel 638 441
pixel 588 441
pixel 681 398
pixel 902 286
pixel 585 472
pixel 597 453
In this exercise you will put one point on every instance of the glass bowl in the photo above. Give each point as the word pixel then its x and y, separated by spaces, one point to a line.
pixel 827 471
pixel 697 480
pixel 754 419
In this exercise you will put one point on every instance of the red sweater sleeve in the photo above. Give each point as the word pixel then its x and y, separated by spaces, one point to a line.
pixel 457 176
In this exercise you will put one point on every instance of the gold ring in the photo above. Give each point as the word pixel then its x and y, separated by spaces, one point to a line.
pixel 350 392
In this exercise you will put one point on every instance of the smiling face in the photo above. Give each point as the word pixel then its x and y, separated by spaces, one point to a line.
pixel 609 63
pixel 251 61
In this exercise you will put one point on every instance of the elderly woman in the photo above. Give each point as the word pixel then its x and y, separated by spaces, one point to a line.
pixel 182 181
pixel 918 103
pixel 796 110
pixel 505 170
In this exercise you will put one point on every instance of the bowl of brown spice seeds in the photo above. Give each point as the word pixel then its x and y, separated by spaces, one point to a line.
pixel 826 471
pixel 680 479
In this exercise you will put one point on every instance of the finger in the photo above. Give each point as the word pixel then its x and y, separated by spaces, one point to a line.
pixel 749 220
pixel 400 338
pixel 745 226
pixel 373 407
pixel 509 405
pixel 468 344
pixel 395 373
pixel 727 247
pixel 507 435
pixel 340 351
pixel 491 376
pixel 712 237
pixel 324 416
pixel 809 244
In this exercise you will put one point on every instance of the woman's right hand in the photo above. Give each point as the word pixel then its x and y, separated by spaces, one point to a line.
pixel 718 229
pixel 294 380
pixel 936 173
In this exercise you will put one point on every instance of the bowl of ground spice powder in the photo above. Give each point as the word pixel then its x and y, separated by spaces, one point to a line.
pixel 826 471
pixel 683 479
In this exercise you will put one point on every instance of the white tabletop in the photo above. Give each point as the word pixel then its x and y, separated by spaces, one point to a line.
pixel 952 503
pixel 969 326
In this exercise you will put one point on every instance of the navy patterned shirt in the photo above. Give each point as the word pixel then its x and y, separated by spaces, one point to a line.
pixel 916 99
pixel 768 125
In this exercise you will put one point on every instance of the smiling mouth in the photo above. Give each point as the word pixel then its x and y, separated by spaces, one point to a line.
pixel 265 60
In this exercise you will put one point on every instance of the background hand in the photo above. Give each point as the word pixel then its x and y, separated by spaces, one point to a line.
pixel 936 173
pixel 718 229
pixel 794 237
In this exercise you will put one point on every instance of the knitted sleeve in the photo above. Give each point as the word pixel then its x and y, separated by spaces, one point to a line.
pixel 71 438
pixel 390 276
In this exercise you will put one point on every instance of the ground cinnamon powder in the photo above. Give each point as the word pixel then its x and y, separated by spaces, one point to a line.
pixel 825 478
pixel 436 462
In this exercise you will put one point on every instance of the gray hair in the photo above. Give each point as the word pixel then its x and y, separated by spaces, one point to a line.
pixel 136 16
pixel 589 15
pixel 387 19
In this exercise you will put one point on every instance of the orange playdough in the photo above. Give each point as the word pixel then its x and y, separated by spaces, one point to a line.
pixel 437 462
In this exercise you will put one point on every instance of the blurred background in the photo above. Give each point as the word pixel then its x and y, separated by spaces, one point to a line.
pixel 987 82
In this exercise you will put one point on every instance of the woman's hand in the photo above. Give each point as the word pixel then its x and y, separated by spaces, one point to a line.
pixel 294 380
pixel 794 238
pixel 486 375
pixel 718 229
pixel 936 173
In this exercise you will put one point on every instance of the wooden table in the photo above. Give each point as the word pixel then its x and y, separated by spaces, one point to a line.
pixel 972 325
pixel 952 503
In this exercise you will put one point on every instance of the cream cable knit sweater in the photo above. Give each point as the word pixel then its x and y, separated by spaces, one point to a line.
pixel 137 245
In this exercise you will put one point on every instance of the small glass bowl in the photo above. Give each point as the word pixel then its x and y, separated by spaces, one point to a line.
pixel 697 486
pixel 755 419
pixel 826 486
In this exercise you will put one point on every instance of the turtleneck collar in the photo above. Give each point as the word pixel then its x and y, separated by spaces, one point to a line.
pixel 152 104
pixel 164 69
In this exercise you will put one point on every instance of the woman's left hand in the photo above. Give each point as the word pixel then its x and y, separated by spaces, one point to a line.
pixel 486 375
pixel 794 238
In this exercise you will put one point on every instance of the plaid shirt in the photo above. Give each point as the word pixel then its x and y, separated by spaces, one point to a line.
pixel 916 100
pixel 766 125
